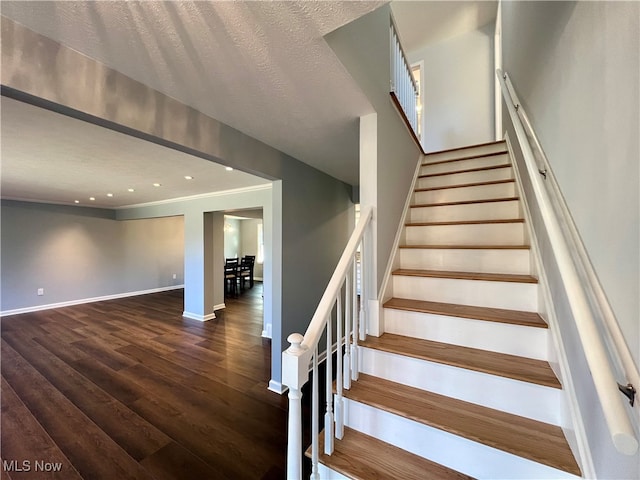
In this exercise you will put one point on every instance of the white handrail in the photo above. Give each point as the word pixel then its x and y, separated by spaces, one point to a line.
pixel 598 361
pixel 304 350
pixel 621 350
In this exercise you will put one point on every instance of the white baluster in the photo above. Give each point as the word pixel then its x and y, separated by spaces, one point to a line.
pixel 354 331
pixel 363 288
pixel 315 427
pixel 339 412
pixel 328 416
pixel 348 292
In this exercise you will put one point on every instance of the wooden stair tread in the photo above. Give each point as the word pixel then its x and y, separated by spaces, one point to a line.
pixel 508 366
pixel 464 222
pixel 465 202
pixel 362 457
pixel 468 247
pixel 466 170
pixel 464 185
pixel 470 157
pixel 537 441
pixel 490 277
pixel 495 142
pixel 498 315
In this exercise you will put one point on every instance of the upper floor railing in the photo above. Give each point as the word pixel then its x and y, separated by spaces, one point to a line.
pixel 584 292
pixel 404 89
pixel 342 332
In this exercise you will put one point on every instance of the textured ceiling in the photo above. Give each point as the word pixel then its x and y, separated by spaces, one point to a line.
pixel 425 23
pixel 261 67
pixel 57 159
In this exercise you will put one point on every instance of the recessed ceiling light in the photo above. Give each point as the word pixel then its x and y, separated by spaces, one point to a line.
pixel 109 194
pixel 76 201
pixel 229 169
pixel 188 177
pixel 157 184
pixel 130 190
pixel 92 198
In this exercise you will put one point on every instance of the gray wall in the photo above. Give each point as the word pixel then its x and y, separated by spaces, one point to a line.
pixel 457 90
pixel 309 220
pixel 363 47
pixel 80 253
pixel 576 70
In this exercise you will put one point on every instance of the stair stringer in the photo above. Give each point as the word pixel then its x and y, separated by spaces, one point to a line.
pixel 386 288
pixel 572 424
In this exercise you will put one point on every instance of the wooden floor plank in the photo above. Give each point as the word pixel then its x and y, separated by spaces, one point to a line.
pixel 521 436
pixel 499 315
pixel 493 363
pixel 136 436
pixel 92 452
pixel 24 439
pixel 149 393
pixel 174 462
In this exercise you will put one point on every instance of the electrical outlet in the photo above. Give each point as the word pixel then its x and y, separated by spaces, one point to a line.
pixel 40 292
pixel 175 276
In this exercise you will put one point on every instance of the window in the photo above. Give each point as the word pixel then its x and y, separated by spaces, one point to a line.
pixel 260 258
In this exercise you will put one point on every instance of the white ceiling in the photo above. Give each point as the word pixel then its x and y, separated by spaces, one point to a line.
pixel 261 67
pixel 424 23
pixel 53 158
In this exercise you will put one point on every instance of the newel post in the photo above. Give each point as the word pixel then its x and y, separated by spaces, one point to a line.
pixel 295 373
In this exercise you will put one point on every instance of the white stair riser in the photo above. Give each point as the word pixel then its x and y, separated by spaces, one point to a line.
pixel 461 194
pixel 467 234
pixel 480 293
pixel 467 260
pixel 525 399
pixel 475 211
pixel 477 162
pixel 465 152
pixel 466 177
pixel 328 474
pixel 465 456
pixel 520 340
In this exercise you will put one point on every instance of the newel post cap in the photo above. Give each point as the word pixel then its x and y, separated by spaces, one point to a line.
pixel 295 339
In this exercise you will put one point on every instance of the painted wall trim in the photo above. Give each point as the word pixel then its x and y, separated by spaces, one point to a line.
pixel 199 196
pixel 70 303
pixel 219 306
pixel 198 317
pixel 277 387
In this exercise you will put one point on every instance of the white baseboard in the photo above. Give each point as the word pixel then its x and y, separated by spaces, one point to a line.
pixel 267 332
pixel 81 301
pixel 220 306
pixel 277 387
pixel 198 317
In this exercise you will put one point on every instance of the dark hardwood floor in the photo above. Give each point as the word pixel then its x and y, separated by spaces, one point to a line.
pixel 128 389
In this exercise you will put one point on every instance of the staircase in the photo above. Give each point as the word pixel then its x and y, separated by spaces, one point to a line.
pixel 459 385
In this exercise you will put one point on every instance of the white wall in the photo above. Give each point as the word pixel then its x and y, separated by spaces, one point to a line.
pixel 576 69
pixel 249 242
pixel 231 238
pixel 457 90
